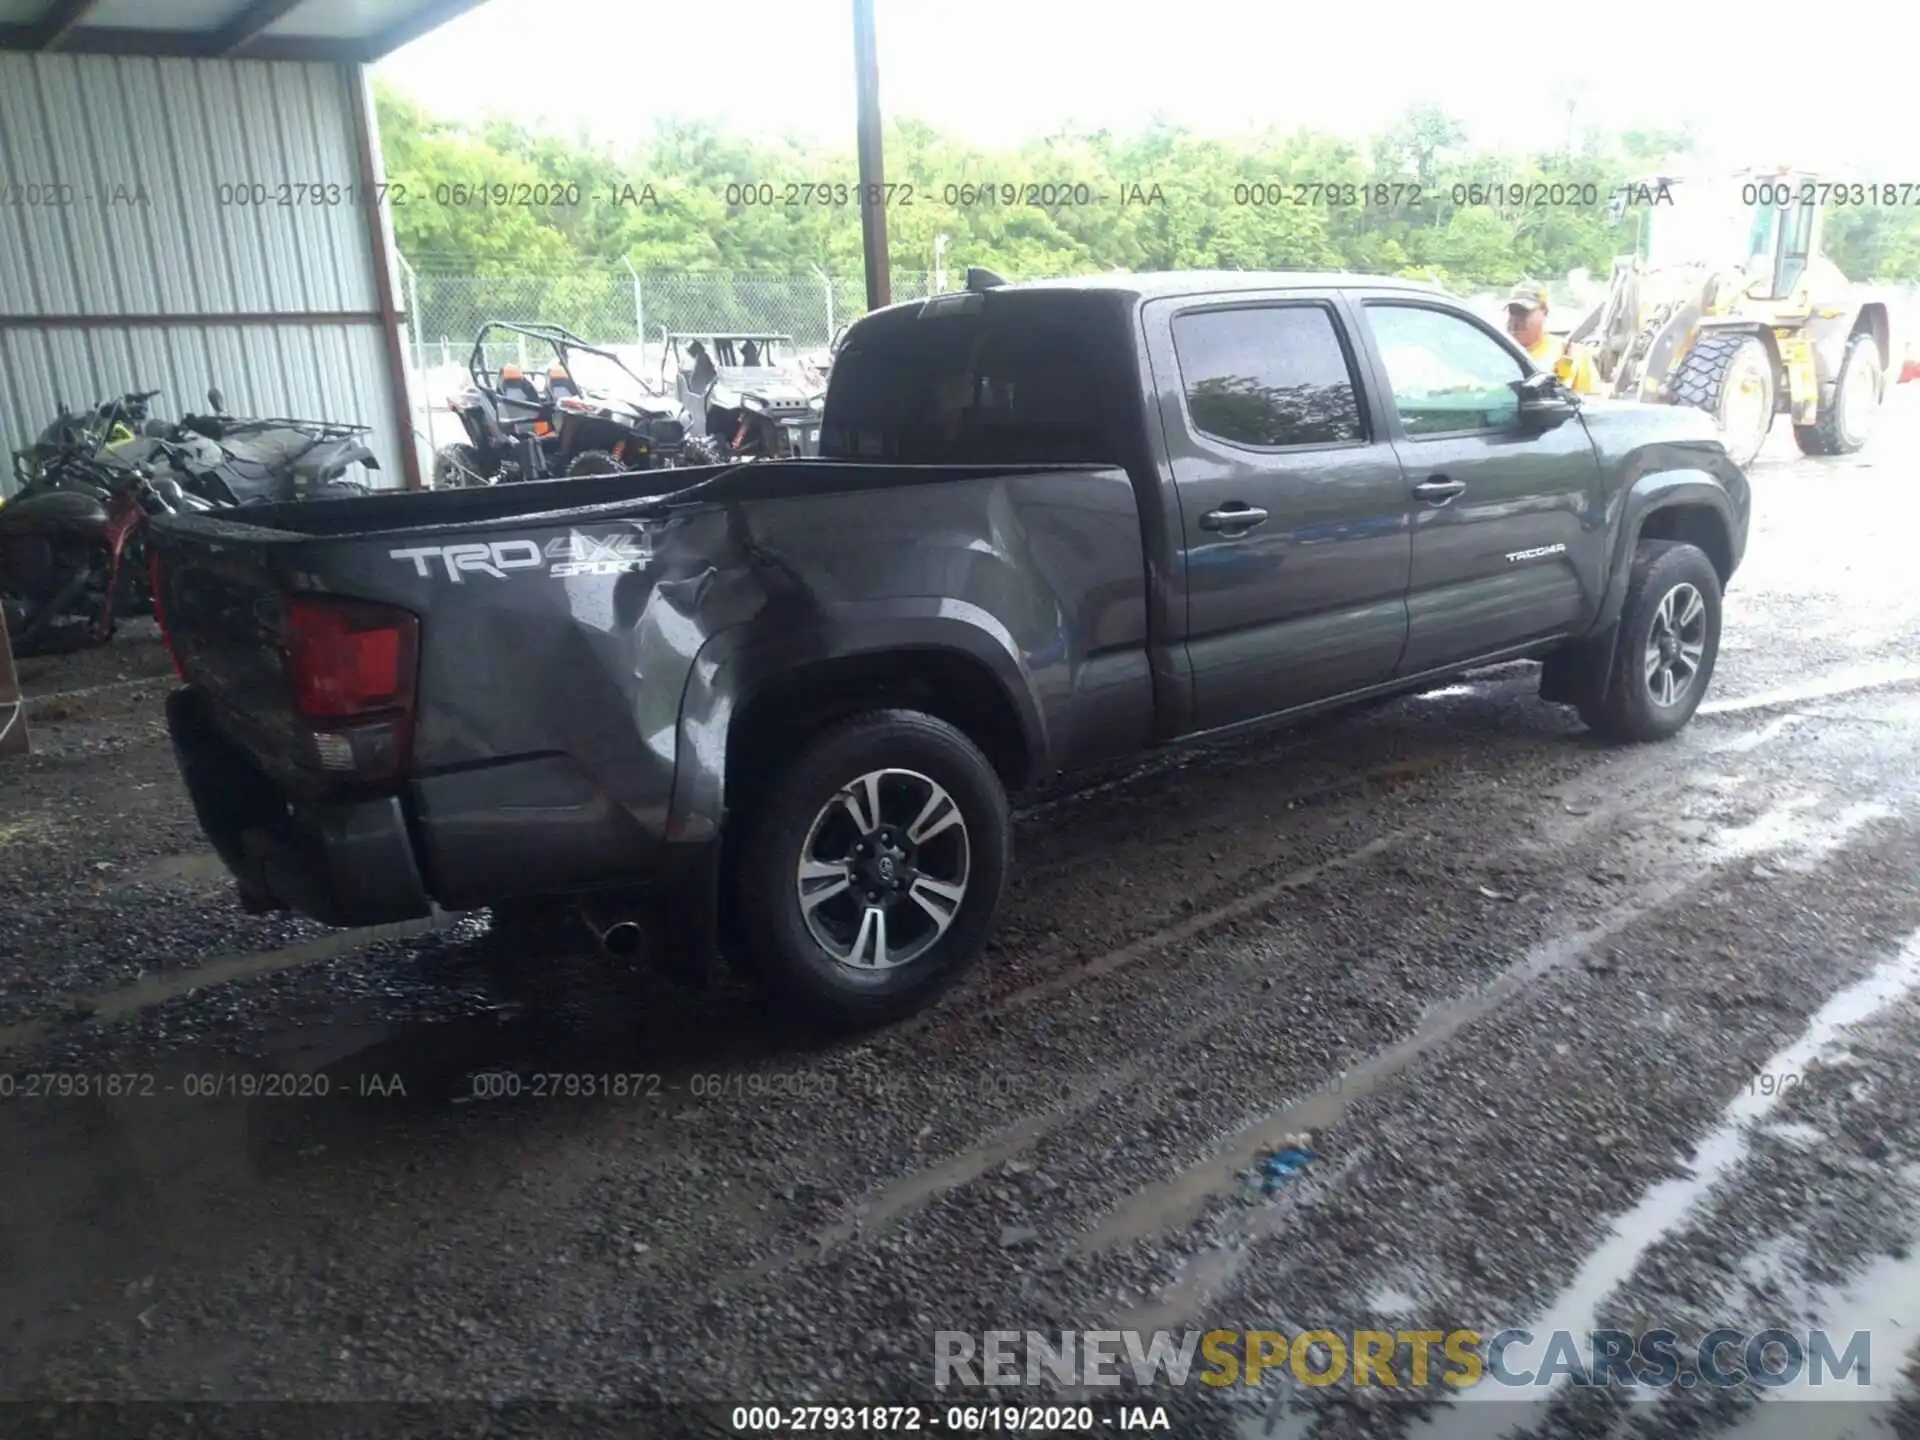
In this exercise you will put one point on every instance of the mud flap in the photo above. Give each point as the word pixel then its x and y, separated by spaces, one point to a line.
pixel 1576 674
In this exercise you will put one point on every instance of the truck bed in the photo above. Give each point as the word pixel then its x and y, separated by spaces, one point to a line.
pixel 587 499
pixel 548 725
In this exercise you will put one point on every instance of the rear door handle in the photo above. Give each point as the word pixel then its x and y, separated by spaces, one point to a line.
pixel 1233 519
pixel 1438 489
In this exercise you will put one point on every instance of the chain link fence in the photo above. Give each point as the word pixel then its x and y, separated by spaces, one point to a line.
pixel 624 311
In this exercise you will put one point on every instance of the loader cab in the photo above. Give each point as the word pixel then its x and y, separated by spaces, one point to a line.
pixel 1784 234
pixel 1767 219
pixel 1799 232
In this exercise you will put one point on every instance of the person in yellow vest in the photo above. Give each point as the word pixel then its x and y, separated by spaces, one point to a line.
pixel 1527 323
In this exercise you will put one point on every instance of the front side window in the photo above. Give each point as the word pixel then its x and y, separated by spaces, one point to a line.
pixel 1448 375
pixel 1268 376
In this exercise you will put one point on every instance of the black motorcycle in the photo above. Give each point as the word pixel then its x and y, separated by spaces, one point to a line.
pixel 72 548
pixel 72 540
pixel 109 422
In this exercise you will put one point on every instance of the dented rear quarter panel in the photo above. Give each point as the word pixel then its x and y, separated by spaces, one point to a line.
pixel 592 697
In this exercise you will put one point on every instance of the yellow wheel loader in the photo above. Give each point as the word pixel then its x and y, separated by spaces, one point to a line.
pixel 1730 306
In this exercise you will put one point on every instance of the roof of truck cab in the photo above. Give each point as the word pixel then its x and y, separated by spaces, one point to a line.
pixel 1187 282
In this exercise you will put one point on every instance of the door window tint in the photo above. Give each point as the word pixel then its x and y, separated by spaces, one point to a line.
pixel 1447 375
pixel 1268 376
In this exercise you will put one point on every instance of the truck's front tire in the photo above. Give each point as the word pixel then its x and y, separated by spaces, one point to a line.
pixel 1669 639
pixel 874 869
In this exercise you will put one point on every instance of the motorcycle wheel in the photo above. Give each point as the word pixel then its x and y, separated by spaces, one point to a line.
pixel 57 624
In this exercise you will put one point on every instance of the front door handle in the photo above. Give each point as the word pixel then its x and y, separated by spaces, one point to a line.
pixel 1233 519
pixel 1438 489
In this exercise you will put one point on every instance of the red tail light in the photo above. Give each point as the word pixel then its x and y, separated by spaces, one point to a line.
pixel 350 660
pixel 351 666
pixel 156 584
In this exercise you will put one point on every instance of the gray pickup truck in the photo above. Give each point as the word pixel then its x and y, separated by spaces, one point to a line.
pixel 1055 526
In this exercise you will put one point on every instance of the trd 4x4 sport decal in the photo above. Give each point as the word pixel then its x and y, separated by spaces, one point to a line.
pixel 568 555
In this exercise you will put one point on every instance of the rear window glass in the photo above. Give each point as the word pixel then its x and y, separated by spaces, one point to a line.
pixel 1027 385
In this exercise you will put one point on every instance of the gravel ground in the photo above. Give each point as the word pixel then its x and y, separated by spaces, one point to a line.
pixel 1581 1037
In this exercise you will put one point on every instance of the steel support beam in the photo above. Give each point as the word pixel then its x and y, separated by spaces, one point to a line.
pixel 243 27
pixel 873 182
pixel 380 246
pixel 56 25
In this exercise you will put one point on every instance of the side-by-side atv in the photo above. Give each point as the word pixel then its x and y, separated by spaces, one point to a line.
pixel 587 413
pixel 748 394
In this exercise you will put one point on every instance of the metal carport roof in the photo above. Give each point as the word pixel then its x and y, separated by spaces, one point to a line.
pixel 310 30
pixel 363 31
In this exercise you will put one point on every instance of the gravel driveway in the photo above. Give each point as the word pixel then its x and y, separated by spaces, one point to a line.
pixel 1576 1037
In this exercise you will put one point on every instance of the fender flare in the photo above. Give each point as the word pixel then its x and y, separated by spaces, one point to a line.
pixel 737 665
pixel 1658 490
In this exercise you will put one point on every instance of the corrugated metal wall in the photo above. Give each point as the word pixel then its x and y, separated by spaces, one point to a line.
pixel 117 204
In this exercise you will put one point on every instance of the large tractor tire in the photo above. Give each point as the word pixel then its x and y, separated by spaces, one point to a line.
pixel 1729 374
pixel 1845 422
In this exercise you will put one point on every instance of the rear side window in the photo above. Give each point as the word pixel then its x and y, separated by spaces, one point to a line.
pixel 1268 376
pixel 1024 386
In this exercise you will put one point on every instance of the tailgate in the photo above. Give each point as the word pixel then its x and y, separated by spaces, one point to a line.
pixel 221 602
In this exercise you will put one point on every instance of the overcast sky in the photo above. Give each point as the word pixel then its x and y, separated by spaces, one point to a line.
pixel 1839 97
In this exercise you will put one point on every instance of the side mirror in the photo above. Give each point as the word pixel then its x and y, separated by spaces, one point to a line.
pixel 1545 403
pixel 217 400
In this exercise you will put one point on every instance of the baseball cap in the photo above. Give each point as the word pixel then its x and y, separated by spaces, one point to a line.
pixel 1529 295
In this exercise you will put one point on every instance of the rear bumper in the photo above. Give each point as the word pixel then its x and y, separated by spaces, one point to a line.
pixel 531 828
pixel 343 863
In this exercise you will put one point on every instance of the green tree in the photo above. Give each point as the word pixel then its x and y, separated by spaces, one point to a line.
pixel 692 197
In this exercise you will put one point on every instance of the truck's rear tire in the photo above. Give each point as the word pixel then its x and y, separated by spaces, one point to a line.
pixel 1844 425
pixel 1713 378
pixel 1669 639
pixel 874 870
